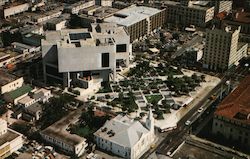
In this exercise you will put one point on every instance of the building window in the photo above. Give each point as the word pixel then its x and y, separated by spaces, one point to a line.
pixel 105 59
pixel 121 48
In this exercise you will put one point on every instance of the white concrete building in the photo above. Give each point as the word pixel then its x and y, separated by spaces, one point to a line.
pixel 23 48
pixel 9 82
pixel 10 140
pixel 222 49
pixel 57 135
pixel 40 95
pixel 76 7
pixel 57 24
pixel 125 137
pixel 47 16
pixel 78 56
pixel 13 9
pixel 138 20
pixel 6 59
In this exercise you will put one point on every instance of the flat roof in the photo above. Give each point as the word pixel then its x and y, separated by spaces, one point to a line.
pixel 19 91
pixel 8 136
pixel 236 105
pixel 6 78
pixel 34 107
pixel 58 129
pixel 132 15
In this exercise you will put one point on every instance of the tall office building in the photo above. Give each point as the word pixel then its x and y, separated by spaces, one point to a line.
pixel 222 49
pixel 222 6
pixel 198 13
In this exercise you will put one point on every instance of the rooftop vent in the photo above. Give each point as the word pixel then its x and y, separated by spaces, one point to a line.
pixel 120 15
pixel 104 129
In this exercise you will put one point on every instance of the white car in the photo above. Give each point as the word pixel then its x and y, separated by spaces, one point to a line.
pixel 188 122
pixel 200 110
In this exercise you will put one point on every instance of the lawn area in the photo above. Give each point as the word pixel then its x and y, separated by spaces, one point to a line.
pixel 82 131
pixel 153 99
pixel 127 104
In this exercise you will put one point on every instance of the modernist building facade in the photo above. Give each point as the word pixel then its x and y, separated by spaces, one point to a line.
pixel 78 56
pixel 196 13
pixel 232 117
pixel 138 20
pixel 222 49
pixel 125 137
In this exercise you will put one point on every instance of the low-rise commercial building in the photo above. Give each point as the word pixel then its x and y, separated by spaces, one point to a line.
pixel 76 7
pixel 5 59
pixel 15 95
pixel 23 48
pixel 76 56
pixel 138 20
pixel 58 135
pixel 125 137
pixel 57 23
pixel 33 112
pixel 41 95
pixel 95 14
pixel 40 18
pixel 13 9
pixel 9 82
pixel 198 13
pixel 232 117
pixel 10 140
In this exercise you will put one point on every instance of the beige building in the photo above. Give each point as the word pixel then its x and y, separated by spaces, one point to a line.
pixel 58 135
pixel 13 9
pixel 232 117
pixel 9 82
pixel 76 7
pixel 40 18
pixel 10 140
pixel 138 20
pixel 196 13
pixel 222 49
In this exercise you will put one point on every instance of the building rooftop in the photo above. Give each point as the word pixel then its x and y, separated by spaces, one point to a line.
pixel 200 5
pixel 8 137
pixel 34 107
pixel 58 129
pixel 132 15
pixel 25 100
pixel 6 78
pixel 236 106
pixel 21 46
pixel 19 91
pixel 122 130
pixel 242 17
pixel 13 4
